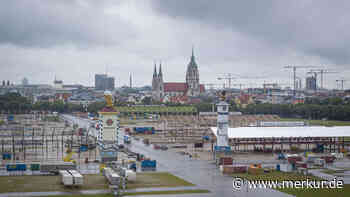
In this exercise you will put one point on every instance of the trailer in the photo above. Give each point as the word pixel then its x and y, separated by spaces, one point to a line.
pixel 112 177
pixel 78 179
pixel 66 177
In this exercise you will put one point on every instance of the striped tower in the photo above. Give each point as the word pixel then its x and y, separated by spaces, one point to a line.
pixel 222 122
pixel 109 127
pixel 108 122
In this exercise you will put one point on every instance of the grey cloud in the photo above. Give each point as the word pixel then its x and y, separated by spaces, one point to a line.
pixel 316 27
pixel 38 23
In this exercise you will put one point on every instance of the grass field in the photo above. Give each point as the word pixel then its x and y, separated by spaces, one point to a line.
pixel 320 122
pixel 158 179
pixel 303 192
pixel 91 182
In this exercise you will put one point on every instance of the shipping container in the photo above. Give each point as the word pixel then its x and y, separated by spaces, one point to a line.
pixel 144 130
pixel 225 161
pixel 83 148
pixel 10 117
pixel 35 166
pixel 16 167
pixel 198 145
pixel 222 148
pixel 6 156
pixel 148 165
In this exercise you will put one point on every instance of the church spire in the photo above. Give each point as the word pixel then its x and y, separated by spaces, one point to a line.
pixel 192 56
pixel 155 70
pixel 160 74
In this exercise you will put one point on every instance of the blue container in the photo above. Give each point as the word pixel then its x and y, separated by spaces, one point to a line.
pixel 144 129
pixel 222 148
pixel 206 138
pixel 83 148
pixel 16 167
pixel 6 156
pixel 10 117
pixel 149 164
pixel 108 154
pixel 278 167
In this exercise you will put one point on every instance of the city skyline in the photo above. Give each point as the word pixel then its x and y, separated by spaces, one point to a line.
pixel 74 40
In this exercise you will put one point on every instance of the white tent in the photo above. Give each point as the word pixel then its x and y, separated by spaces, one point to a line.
pixel 266 132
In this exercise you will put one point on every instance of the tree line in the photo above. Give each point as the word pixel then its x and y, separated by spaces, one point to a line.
pixel 15 103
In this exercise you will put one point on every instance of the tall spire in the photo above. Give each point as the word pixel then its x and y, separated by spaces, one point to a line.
pixel 130 81
pixel 192 56
pixel 192 51
pixel 160 69
pixel 155 70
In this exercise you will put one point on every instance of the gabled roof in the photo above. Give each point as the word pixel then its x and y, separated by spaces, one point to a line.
pixel 175 87
pixel 201 88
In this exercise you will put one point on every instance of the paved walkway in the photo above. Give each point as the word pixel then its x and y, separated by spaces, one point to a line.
pixel 28 194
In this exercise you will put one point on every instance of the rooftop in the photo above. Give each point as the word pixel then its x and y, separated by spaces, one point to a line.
pixel 268 132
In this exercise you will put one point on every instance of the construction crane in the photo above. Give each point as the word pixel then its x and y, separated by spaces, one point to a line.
pixel 321 72
pixel 295 76
pixel 228 77
pixel 342 81
pixel 212 86
pixel 240 85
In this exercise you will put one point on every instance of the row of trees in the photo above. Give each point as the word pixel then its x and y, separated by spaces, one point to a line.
pixel 308 111
pixel 15 103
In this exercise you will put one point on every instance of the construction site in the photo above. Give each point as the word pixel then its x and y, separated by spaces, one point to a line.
pixel 45 139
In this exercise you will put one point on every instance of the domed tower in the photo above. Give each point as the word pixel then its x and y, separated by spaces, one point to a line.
pixel 192 78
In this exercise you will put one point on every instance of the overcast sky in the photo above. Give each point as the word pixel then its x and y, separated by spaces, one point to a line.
pixel 75 39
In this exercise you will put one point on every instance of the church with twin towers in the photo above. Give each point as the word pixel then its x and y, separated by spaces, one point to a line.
pixel 191 88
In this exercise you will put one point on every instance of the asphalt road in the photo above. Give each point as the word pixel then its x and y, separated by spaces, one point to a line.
pixel 202 173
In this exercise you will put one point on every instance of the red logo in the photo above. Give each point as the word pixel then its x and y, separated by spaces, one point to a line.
pixel 109 122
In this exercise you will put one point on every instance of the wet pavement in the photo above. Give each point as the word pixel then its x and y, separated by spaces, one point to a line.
pixel 203 174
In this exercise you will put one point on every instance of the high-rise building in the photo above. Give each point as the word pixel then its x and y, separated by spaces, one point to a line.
pixel 25 81
pixel 311 83
pixel 103 82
